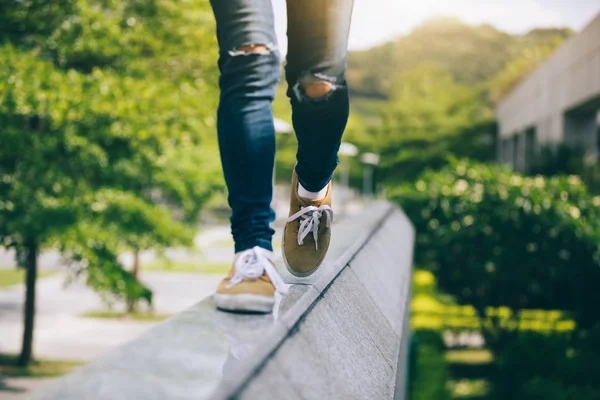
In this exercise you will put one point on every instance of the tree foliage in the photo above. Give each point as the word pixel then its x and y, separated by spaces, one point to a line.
pixel 430 117
pixel 470 54
pixel 523 64
pixel 549 367
pixel 106 116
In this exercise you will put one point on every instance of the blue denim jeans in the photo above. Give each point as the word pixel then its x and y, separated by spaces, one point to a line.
pixel 317 52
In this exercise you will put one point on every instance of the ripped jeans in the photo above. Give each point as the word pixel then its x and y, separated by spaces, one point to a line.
pixel 317 53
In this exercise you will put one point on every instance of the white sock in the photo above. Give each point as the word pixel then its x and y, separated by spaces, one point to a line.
pixel 305 194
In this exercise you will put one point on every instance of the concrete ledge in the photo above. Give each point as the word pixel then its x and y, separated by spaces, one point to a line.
pixel 337 334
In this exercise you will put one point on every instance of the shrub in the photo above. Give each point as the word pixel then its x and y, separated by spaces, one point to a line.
pixel 549 367
pixel 496 238
pixel 567 159
pixel 429 375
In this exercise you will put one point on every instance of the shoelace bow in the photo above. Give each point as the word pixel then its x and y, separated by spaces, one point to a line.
pixel 252 264
pixel 310 218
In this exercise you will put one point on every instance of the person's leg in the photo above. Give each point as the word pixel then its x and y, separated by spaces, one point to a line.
pixel 315 72
pixel 249 65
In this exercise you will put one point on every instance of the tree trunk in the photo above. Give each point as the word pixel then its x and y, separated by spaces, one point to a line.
pixel 136 265
pixel 131 303
pixel 29 310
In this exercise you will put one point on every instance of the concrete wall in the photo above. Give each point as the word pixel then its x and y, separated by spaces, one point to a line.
pixel 558 102
pixel 350 345
pixel 341 333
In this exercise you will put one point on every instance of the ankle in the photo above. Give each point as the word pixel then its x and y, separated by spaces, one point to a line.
pixel 308 195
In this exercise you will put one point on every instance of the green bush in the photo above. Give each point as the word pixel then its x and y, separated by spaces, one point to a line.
pixel 544 389
pixel 530 356
pixel 429 374
pixel 549 367
pixel 562 159
pixel 567 159
pixel 495 238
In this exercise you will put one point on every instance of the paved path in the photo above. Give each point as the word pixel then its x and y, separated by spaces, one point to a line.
pixel 206 251
pixel 18 388
pixel 60 333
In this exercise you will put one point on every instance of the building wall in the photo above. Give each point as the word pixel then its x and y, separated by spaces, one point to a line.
pixel 564 89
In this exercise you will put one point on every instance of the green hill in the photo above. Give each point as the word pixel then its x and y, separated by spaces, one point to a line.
pixel 470 54
pixel 430 94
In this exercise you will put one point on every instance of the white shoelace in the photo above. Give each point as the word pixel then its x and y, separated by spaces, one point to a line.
pixel 310 218
pixel 251 264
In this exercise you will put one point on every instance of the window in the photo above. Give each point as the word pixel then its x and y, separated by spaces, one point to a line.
pixel 530 146
pixel 515 151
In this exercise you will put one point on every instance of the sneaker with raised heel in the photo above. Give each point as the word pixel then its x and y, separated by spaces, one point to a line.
pixel 307 232
pixel 251 283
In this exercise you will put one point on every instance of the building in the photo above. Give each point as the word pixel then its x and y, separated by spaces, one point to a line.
pixel 558 102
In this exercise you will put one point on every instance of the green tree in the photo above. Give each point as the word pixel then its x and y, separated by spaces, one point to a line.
pixel 106 110
pixel 521 65
pixel 429 118
pixel 471 54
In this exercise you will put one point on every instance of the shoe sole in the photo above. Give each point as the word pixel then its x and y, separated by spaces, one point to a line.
pixel 245 302
pixel 295 273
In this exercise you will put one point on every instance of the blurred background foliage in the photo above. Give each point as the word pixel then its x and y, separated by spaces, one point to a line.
pixel 107 113
pixel 472 55
pixel 517 258
pixel 520 242
pixel 107 110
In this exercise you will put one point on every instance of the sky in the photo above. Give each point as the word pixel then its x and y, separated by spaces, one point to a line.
pixel 377 21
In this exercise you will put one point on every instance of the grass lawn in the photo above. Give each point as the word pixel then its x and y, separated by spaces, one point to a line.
pixel 469 356
pixel 469 388
pixel 466 369
pixel 186 266
pixel 138 316
pixel 470 370
pixel 14 276
pixel 37 369
pixel 434 310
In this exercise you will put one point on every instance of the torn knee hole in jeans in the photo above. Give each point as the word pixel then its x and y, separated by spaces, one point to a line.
pixel 253 49
pixel 314 86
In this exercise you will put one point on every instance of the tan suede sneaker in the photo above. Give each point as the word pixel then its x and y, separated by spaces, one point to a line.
pixel 307 233
pixel 251 283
